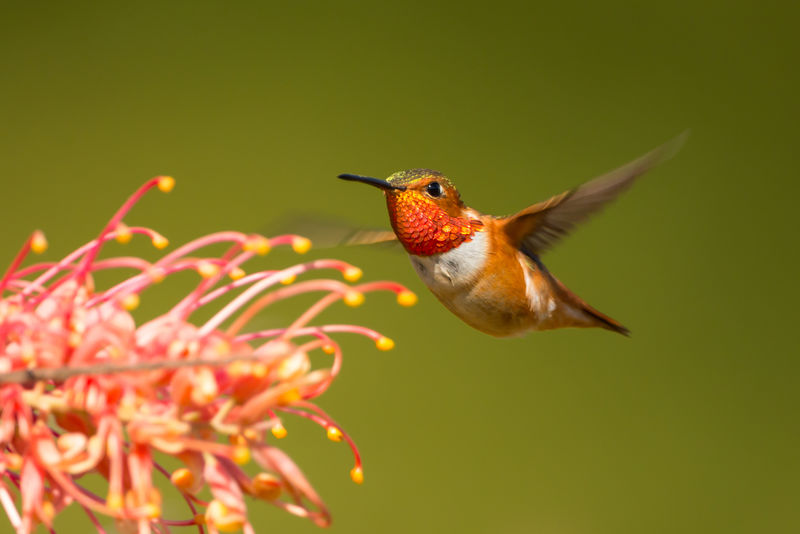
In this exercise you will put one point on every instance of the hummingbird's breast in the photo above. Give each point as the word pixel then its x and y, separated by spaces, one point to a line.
pixel 455 269
pixel 488 284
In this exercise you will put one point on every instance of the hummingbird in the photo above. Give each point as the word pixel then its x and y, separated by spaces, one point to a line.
pixel 486 269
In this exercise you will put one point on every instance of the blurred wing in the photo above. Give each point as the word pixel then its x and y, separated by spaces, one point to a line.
pixel 327 233
pixel 369 237
pixel 541 226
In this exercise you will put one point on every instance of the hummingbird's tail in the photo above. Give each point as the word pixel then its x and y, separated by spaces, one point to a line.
pixel 580 314
pixel 591 316
pixel 604 321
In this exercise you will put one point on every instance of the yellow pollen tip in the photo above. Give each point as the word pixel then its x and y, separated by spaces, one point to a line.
pixel 13 461
pixel 260 370
pixel 166 183
pixel 28 355
pixel 353 298
pixel 241 455
pixel 289 279
pixel 74 339
pixel 328 349
pixel 237 439
pixel 406 298
pixel 384 343
pixel 229 526
pixel 334 434
pixel 115 501
pixel 218 515
pixel 293 395
pixel 236 273
pixel 266 486
pixel 301 245
pixel 357 474
pixel 182 478
pixel 48 510
pixel 222 347
pixel 160 242
pixel 352 274
pixel 130 302
pixel 38 242
pixel 152 510
pixel 279 431
pixel 207 270
pixel 238 369
pixel 123 234
pixel 257 244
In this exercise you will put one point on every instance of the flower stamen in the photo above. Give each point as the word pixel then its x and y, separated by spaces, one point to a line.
pixel 85 389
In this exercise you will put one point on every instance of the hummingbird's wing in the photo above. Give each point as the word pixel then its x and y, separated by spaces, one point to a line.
pixel 539 227
pixel 369 237
pixel 327 232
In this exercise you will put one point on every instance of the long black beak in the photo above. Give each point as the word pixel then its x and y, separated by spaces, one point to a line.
pixel 381 184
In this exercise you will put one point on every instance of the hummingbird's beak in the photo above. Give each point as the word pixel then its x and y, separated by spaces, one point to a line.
pixel 377 182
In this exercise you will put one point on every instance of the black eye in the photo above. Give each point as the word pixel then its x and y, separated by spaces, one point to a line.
pixel 434 189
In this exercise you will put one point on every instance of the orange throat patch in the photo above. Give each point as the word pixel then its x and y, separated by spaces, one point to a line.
pixel 425 229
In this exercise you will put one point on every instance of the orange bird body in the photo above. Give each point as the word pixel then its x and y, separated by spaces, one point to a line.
pixel 486 269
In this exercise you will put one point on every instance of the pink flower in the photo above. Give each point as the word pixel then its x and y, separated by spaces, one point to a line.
pixel 84 389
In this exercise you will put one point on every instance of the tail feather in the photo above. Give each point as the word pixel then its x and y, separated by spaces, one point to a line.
pixel 592 316
pixel 589 316
pixel 604 321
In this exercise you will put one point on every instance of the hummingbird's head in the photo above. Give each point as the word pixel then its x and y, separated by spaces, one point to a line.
pixel 425 209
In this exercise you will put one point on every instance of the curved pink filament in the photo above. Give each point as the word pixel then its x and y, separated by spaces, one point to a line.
pixel 112 224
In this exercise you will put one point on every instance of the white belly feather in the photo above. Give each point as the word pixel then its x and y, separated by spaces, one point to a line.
pixel 453 277
pixel 454 268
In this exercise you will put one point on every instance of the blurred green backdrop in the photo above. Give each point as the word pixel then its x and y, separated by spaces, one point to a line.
pixel 688 426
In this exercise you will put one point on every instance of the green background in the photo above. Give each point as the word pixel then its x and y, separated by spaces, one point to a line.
pixel 688 426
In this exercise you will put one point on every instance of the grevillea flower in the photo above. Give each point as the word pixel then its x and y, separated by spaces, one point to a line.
pixel 84 389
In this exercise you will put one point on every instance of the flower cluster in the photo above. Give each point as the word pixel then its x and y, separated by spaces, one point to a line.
pixel 84 389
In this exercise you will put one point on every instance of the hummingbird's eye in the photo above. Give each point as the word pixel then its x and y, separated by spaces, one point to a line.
pixel 434 189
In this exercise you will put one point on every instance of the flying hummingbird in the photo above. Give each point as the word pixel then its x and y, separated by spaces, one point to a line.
pixel 486 269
